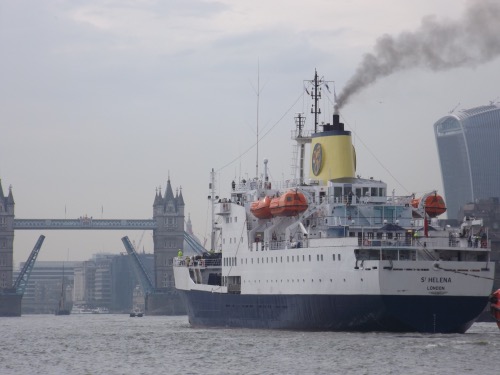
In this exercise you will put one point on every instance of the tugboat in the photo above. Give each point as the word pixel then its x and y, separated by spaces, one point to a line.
pixel 350 256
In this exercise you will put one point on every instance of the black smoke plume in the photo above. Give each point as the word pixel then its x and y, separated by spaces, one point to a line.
pixel 437 45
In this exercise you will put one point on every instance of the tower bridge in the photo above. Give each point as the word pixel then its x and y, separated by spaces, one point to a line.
pixel 85 223
pixel 167 225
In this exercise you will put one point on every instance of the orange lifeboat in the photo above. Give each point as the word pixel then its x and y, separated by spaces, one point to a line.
pixel 290 203
pixel 495 306
pixel 260 209
pixel 434 205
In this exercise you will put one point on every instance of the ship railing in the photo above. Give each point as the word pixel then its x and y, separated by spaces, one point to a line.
pixel 281 245
pixel 305 134
pixel 423 242
pixel 197 263
pixel 420 254
pixel 368 199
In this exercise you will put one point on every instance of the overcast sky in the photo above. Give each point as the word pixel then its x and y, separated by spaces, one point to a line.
pixel 100 101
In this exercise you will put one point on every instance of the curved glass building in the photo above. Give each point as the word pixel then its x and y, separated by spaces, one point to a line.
pixel 468 145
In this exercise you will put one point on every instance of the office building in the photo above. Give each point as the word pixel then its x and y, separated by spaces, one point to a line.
pixel 468 144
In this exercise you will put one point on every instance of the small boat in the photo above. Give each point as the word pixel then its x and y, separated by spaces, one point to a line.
pixel 100 310
pixel 81 309
pixel 291 203
pixel 136 313
pixel 495 306
pixel 261 208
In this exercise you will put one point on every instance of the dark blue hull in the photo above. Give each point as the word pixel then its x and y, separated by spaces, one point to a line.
pixel 443 314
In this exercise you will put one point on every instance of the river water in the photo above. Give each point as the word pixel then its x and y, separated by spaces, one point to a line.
pixel 118 344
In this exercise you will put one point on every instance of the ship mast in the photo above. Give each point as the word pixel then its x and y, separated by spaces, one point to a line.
pixel 316 95
pixel 301 140
pixel 258 101
pixel 212 198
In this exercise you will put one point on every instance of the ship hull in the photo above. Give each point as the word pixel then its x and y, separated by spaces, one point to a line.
pixel 435 314
pixel 10 304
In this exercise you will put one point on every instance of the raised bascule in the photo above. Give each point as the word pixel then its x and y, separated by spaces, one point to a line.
pixel 168 238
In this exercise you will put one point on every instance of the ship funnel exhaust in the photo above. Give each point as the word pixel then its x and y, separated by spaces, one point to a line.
pixel 435 45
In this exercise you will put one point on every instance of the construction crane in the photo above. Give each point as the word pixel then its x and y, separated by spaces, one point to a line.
pixel 24 275
pixel 140 270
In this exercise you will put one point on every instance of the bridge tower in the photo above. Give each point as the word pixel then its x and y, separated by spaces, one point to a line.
pixel 6 238
pixel 168 239
pixel 10 303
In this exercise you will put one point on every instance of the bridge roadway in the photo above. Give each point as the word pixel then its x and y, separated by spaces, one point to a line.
pixel 85 223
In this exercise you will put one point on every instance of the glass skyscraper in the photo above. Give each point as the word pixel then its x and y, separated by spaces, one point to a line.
pixel 468 144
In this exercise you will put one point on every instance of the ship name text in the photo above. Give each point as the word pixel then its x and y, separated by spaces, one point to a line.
pixel 436 280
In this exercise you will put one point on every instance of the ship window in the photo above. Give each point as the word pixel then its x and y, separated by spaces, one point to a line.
pixel 303 258
pixel 257 260
pixel 287 259
pixel 317 257
pixel 309 257
pixel 235 261
pixel 293 258
pixel 252 260
pixel 267 260
pixel 334 257
pixel 236 219
pixel 321 257
pixel 339 256
pixel 271 259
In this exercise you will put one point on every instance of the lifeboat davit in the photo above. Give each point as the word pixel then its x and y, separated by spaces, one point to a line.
pixel 260 209
pixel 290 203
pixel 495 306
pixel 434 204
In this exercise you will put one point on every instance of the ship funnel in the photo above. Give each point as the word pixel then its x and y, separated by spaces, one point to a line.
pixel 337 125
pixel 332 153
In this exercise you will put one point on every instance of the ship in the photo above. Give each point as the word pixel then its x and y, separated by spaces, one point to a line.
pixel 335 251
